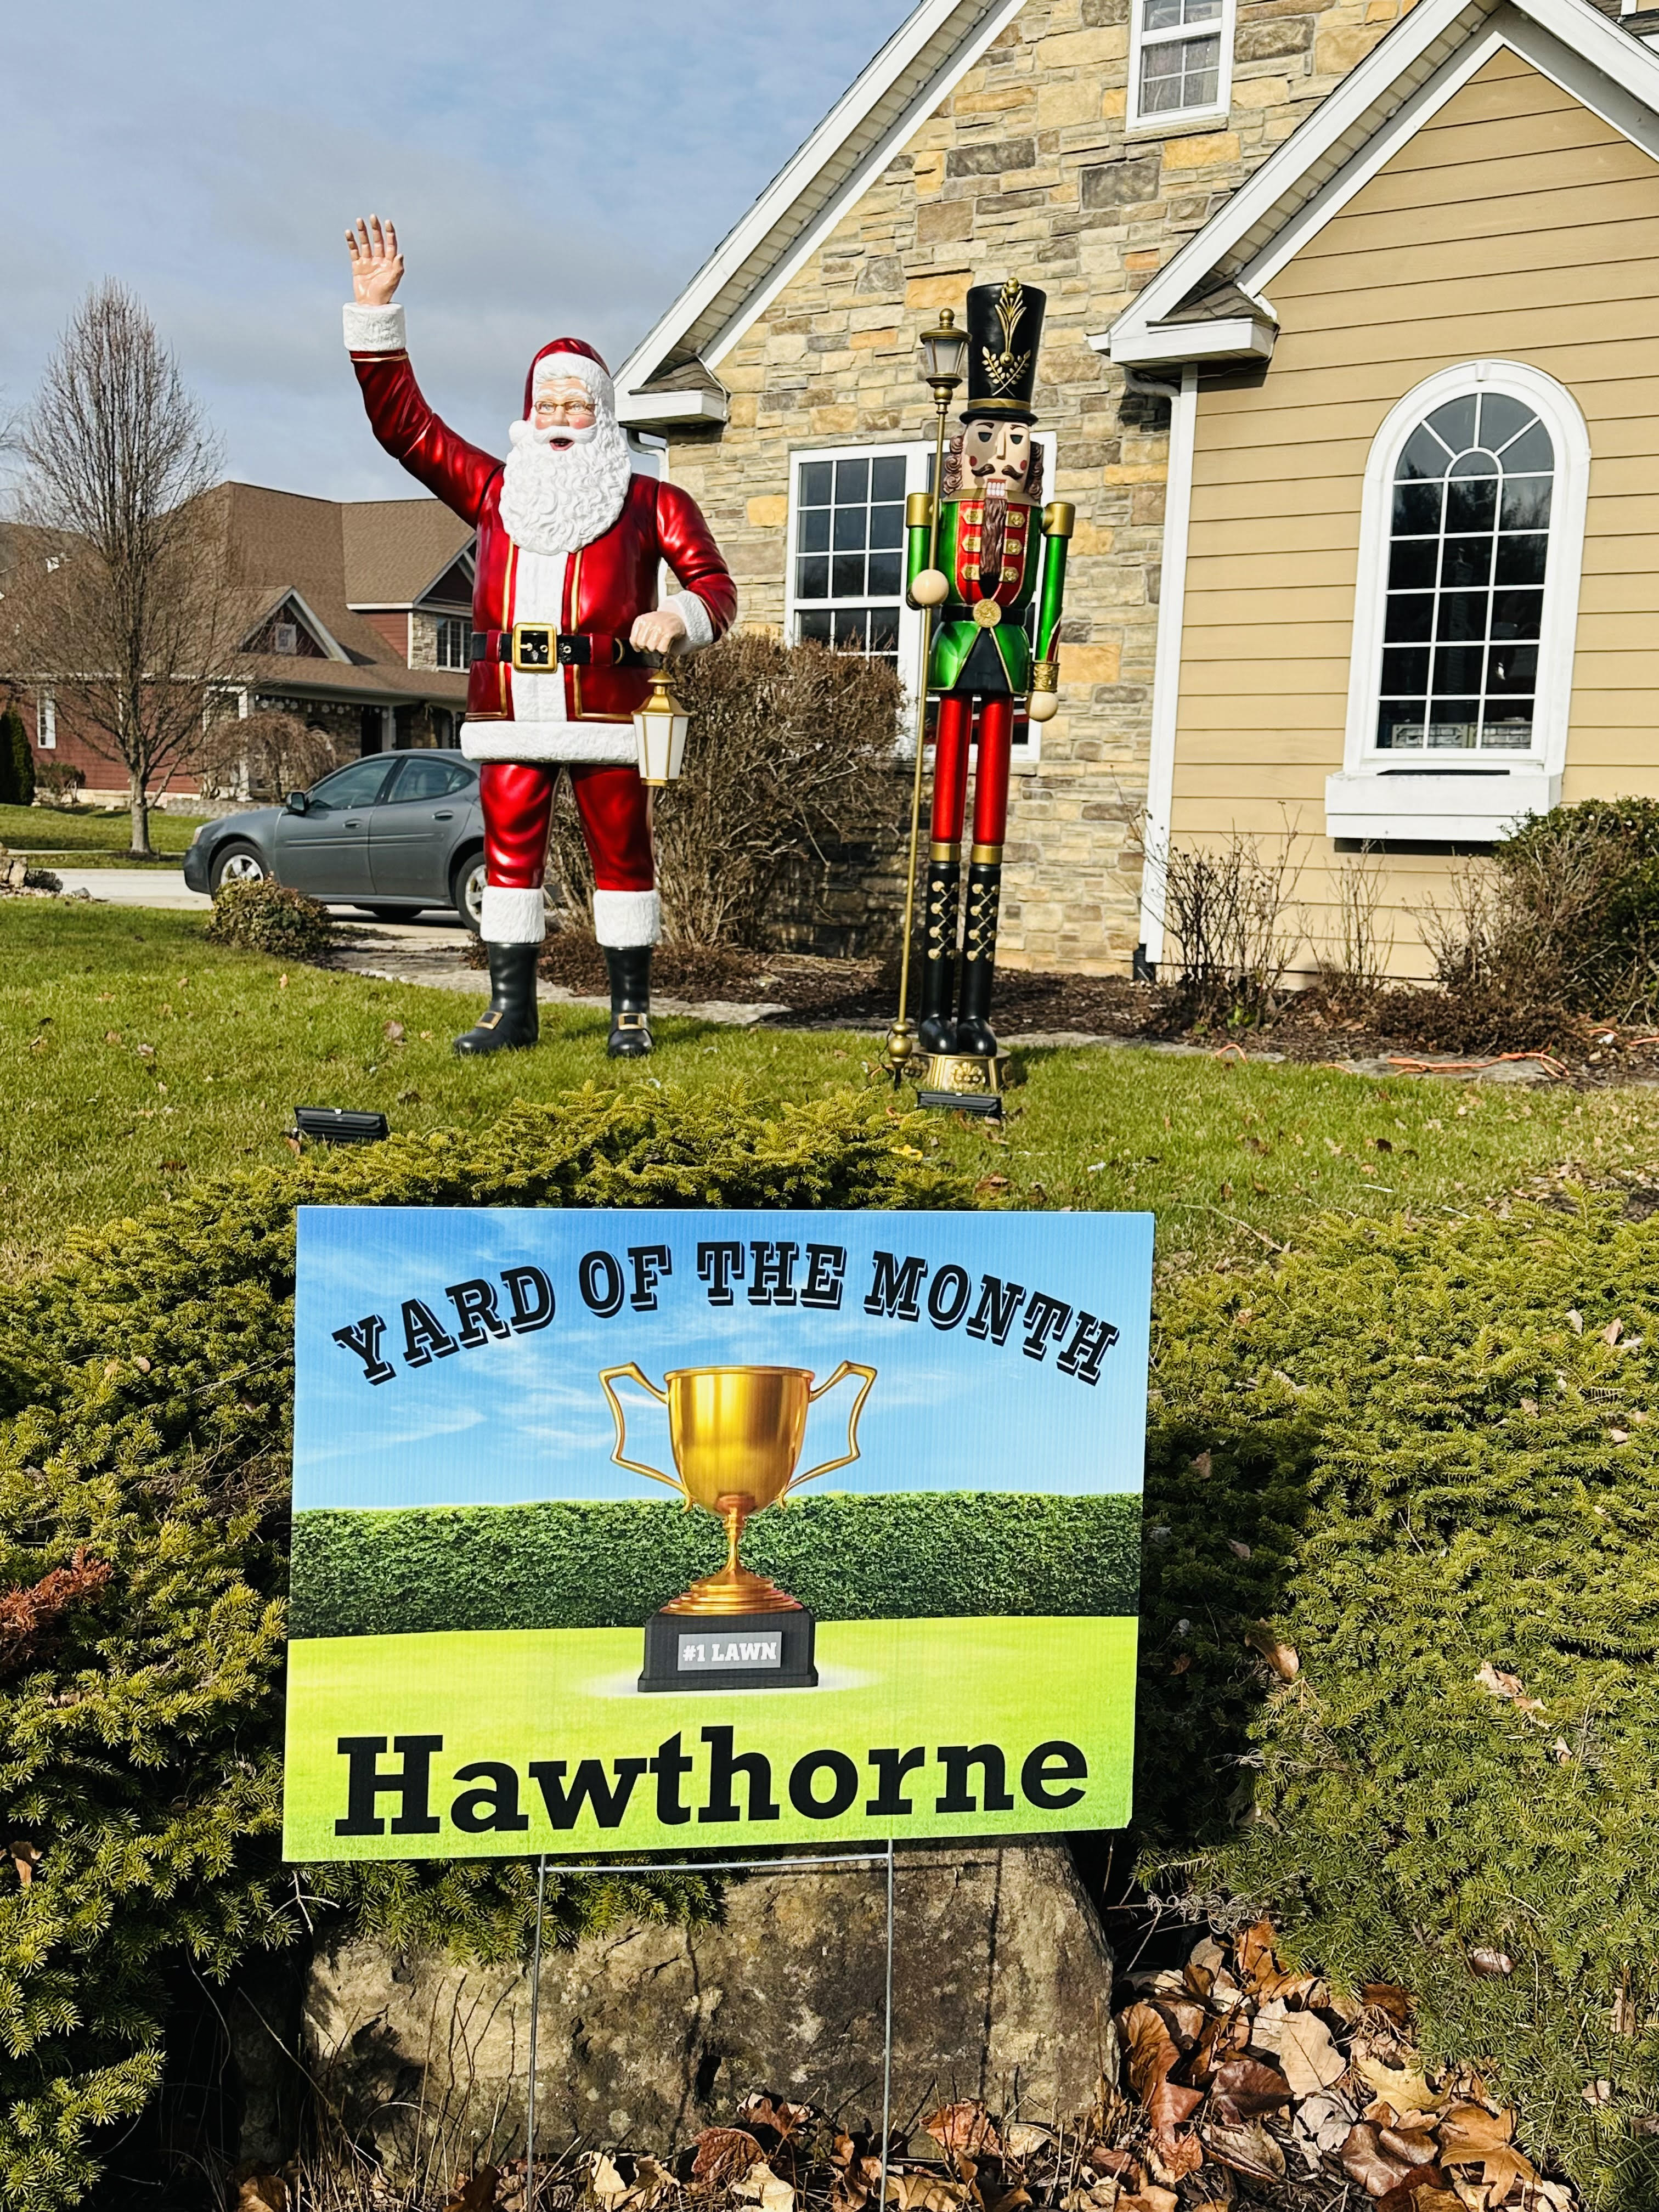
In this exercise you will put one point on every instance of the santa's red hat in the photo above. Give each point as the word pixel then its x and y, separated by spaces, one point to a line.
pixel 571 357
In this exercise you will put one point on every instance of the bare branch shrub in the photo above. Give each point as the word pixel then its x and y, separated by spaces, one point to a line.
pixel 120 592
pixel 265 755
pixel 1351 960
pixel 791 747
pixel 1229 911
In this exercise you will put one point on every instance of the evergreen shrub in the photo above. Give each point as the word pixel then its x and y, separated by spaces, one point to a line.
pixel 17 761
pixel 1433 1444
pixel 270 917
pixel 145 1403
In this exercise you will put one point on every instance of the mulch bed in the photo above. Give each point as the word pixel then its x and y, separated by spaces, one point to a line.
pixel 1311 1025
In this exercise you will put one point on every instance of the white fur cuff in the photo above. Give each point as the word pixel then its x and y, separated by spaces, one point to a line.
pixel 373 330
pixel 604 744
pixel 699 625
pixel 511 917
pixel 624 918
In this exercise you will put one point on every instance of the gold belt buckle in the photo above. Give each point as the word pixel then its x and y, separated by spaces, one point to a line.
pixel 987 613
pixel 533 645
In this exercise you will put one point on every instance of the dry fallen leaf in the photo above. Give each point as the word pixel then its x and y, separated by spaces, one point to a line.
pixel 605 2184
pixel 1365 2160
pixel 1403 2087
pixel 1597 2093
pixel 965 2131
pixel 1245 2089
pixel 1152 2056
pixel 1025 2138
pixel 925 2192
pixel 1490 1964
pixel 476 2192
pixel 760 2110
pixel 1246 2146
pixel 724 2152
pixel 760 2185
pixel 1388 1998
pixel 1281 1657
pixel 1471 2136
pixel 263 2192
pixel 1259 1972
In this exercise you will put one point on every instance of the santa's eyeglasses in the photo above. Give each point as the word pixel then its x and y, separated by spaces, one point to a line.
pixel 574 411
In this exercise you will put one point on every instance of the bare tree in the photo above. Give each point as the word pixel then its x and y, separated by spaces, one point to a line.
pixel 120 595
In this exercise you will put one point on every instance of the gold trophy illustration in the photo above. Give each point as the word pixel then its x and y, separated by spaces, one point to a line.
pixel 735 1434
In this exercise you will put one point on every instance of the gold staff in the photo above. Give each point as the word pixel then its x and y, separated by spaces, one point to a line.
pixel 944 361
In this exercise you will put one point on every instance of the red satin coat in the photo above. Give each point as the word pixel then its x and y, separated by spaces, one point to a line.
pixel 606 584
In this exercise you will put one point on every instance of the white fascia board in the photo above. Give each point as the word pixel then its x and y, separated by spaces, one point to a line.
pixel 1237 337
pixel 1569 40
pixel 789 185
pixel 1316 140
pixel 640 410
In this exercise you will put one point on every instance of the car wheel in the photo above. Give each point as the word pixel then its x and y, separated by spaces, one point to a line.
pixel 466 888
pixel 237 864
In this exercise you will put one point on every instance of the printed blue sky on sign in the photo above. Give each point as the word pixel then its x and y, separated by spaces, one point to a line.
pixel 526 1418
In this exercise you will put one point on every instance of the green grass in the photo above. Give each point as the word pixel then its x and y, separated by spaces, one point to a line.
pixel 100 836
pixel 606 1566
pixel 1231 1158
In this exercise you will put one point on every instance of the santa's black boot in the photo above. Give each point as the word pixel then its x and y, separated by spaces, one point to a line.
pixel 629 969
pixel 936 1031
pixel 511 1022
pixel 979 960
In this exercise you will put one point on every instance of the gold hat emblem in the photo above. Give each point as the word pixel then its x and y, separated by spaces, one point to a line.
pixel 1004 369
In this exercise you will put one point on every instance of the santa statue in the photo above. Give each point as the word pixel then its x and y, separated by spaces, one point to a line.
pixel 569 545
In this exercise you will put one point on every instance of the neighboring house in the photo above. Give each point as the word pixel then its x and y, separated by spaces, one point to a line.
pixel 359 623
pixel 1351 357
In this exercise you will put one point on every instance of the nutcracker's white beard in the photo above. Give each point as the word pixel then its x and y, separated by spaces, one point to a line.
pixel 556 497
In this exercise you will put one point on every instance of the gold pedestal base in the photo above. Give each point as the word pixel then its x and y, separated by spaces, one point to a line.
pixel 732 1589
pixel 962 1082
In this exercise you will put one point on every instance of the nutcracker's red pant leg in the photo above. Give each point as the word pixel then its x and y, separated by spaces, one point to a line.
pixel 991 770
pixel 956 715
pixel 615 814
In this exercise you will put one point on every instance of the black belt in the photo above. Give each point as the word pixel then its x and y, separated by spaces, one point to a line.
pixel 533 646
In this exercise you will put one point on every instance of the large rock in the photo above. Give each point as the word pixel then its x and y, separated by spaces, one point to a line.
pixel 1002 1989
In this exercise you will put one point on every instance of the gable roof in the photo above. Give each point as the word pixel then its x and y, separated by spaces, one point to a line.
pixel 396 550
pixel 1208 302
pixel 669 377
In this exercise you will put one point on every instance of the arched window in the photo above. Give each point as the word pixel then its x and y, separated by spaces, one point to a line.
pixel 1471 540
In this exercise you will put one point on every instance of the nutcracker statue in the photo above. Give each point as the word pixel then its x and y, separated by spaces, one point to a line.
pixel 975 558
pixel 569 545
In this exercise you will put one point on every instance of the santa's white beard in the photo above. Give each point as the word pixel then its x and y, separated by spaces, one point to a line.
pixel 555 498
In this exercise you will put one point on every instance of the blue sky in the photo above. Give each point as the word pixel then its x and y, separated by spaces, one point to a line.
pixel 527 1418
pixel 555 169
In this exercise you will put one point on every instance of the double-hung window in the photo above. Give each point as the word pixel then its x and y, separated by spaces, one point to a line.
pixel 454 639
pixel 847 550
pixel 1181 61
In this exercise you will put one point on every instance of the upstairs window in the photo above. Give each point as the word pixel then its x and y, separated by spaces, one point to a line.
pixel 454 641
pixel 1181 61
pixel 1468 550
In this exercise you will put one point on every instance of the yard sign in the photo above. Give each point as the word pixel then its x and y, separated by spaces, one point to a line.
pixel 620 1530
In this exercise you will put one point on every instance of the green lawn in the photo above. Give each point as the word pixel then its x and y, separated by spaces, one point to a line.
pixel 135 1057
pixel 87 835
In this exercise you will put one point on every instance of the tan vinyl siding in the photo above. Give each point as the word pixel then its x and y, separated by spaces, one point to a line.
pixel 1515 225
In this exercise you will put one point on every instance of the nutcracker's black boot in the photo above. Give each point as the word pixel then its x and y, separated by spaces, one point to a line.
pixel 937 1029
pixel 629 969
pixel 979 959
pixel 511 1020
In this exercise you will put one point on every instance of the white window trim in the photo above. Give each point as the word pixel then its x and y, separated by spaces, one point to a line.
pixel 1178 118
pixel 1385 794
pixel 46 722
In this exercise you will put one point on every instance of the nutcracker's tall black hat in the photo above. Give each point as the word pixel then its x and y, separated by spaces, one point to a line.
pixel 1005 328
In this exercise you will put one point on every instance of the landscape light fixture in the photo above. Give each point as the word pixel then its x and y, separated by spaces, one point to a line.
pixel 340 1125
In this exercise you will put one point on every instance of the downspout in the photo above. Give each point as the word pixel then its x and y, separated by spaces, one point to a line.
pixel 1166 668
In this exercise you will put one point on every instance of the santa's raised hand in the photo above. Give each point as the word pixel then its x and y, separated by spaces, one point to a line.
pixel 377 267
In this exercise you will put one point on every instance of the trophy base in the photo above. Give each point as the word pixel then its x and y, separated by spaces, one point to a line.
pixel 730 1651
pixel 963 1082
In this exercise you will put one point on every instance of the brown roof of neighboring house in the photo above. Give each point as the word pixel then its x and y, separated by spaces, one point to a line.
pixel 396 549
pixel 330 552
pixel 386 680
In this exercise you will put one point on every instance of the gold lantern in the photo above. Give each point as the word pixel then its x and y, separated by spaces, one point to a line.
pixel 660 725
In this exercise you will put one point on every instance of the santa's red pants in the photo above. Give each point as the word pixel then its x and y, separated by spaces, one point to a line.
pixel 996 731
pixel 518 804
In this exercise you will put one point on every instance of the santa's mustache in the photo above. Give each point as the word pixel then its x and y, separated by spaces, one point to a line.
pixel 556 436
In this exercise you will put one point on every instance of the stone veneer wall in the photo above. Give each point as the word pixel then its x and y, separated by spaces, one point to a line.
pixel 1025 170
